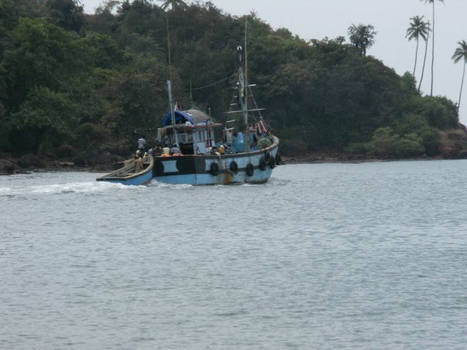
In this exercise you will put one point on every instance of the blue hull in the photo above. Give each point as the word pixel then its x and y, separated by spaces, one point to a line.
pixel 199 170
pixel 136 181
pixel 254 167
pixel 222 179
pixel 127 175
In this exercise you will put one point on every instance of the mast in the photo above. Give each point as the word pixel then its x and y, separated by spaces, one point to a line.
pixel 245 92
pixel 191 94
pixel 169 83
pixel 243 89
pixel 172 112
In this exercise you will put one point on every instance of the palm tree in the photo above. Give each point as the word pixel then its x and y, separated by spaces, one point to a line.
pixel 418 29
pixel 173 4
pixel 459 54
pixel 424 58
pixel 432 43
pixel 363 37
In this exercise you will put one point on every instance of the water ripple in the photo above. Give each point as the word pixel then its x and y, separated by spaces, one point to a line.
pixel 366 256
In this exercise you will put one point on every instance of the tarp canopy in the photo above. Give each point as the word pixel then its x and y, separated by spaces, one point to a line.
pixel 193 116
pixel 180 118
pixel 198 116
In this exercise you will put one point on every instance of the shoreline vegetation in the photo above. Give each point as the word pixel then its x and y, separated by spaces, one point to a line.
pixel 77 90
pixel 454 149
pixel 11 167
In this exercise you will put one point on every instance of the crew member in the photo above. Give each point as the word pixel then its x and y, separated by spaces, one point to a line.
pixel 175 151
pixel 141 144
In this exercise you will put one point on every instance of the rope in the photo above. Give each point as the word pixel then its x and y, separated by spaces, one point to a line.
pixel 212 84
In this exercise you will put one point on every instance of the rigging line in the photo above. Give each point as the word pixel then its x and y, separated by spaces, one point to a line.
pixel 254 102
pixel 212 84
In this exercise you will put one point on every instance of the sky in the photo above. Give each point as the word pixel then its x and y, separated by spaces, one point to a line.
pixel 316 19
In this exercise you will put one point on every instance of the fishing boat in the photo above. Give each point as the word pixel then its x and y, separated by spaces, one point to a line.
pixel 212 154
pixel 192 148
pixel 132 173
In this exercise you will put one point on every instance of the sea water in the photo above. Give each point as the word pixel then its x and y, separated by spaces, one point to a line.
pixel 323 256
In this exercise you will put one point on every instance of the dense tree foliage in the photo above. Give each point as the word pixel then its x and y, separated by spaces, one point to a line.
pixel 362 36
pixel 85 86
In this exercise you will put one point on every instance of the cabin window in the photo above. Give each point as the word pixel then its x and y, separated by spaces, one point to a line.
pixel 186 137
pixel 218 135
pixel 201 135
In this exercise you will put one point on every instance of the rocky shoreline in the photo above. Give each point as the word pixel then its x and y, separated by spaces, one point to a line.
pixel 26 164
pixel 31 163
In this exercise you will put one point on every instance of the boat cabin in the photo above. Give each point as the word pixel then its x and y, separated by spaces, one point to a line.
pixel 194 132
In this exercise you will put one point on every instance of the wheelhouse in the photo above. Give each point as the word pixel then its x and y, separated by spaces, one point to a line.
pixel 194 132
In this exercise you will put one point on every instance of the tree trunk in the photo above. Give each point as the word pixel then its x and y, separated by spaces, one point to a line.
pixel 433 52
pixel 416 59
pixel 462 87
pixel 424 63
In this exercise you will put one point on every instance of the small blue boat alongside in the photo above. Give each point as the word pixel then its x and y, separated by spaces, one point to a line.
pixel 130 174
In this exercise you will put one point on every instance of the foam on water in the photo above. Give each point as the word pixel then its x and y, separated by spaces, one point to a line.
pixel 73 187
pixel 156 184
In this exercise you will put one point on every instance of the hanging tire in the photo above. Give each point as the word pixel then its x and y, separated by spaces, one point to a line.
pixel 262 163
pixel 278 159
pixel 233 167
pixel 272 163
pixel 250 169
pixel 214 169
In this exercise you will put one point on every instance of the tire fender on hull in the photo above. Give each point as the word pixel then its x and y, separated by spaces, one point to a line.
pixel 214 169
pixel 233 167
pixel 250 169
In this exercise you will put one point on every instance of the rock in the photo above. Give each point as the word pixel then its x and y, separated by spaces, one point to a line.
pixel 30 161
pixel 7 167
pixel 66 164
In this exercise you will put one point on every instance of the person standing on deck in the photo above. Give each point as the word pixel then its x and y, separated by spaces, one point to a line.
pixel 141 144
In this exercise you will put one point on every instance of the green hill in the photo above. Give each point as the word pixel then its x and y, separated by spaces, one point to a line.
pixel 83 87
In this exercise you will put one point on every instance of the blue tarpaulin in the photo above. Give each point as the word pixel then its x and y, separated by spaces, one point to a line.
pixel 180 118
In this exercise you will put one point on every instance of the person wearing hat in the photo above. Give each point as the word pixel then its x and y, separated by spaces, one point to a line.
pixel 175 150
pixel 141 143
